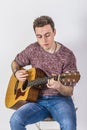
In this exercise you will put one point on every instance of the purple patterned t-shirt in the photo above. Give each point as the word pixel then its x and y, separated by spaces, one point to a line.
pixel 59 62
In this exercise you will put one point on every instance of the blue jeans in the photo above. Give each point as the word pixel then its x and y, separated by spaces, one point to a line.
pixel 59 107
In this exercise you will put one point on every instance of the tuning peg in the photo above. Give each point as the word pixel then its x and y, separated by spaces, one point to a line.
pixel 73 80
pixel 68 80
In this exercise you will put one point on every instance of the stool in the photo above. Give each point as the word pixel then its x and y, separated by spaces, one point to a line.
pixel 48 124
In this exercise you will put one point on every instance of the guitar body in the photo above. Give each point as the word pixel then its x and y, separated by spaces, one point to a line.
pixel 17 95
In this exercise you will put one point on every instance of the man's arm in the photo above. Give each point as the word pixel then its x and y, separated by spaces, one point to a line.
pixel 20 74
pixel 62 89
pixel 15 67
pixel 65 90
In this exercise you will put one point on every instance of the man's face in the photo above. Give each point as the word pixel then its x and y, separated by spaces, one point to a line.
pixel 45 36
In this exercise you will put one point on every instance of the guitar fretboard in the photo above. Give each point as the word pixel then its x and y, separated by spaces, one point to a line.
pixel 38 81
pixel 64 78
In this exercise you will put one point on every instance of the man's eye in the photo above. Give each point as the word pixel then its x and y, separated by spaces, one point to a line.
pixel 47 34
pixel 39 36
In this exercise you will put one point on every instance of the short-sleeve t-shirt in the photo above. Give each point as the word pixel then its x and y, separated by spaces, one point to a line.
pixel 61 61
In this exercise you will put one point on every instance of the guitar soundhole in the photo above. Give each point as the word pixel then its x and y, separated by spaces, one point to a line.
pixel 25 85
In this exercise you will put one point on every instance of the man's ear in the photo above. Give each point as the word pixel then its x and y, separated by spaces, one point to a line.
pixel 54 32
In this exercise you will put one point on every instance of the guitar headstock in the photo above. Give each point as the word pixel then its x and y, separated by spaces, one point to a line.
pixel 70 77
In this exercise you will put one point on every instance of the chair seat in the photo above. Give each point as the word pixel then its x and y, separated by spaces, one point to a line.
pixel 48 124
pixel 48 119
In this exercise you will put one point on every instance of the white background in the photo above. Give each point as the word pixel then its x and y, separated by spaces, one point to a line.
pixel 16 32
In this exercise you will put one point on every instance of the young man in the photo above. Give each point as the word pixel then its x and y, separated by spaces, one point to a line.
pixel 54 98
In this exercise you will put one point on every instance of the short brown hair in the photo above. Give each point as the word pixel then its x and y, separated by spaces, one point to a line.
pixel 42 21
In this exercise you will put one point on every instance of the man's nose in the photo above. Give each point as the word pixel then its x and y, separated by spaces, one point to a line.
pixel 44 39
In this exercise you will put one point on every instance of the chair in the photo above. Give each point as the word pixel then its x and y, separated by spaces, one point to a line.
pixel 48 124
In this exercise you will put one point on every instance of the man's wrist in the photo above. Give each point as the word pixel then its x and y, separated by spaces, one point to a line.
pixel 14 72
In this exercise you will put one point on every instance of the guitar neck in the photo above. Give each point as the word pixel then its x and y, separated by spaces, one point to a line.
pixel 64 78
pixel 36 83
pixel 44 80
pixel 39 81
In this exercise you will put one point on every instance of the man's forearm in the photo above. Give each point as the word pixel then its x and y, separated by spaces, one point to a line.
pixel 66 90
pixel 15 67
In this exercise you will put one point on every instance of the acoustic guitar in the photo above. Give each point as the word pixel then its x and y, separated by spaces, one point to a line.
pixel 19 93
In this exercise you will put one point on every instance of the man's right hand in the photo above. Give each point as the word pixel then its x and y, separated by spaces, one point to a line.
pixel 21 75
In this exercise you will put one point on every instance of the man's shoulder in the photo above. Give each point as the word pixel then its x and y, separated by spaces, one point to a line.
pixel 65 52
pixel 32 46
pixel 66 49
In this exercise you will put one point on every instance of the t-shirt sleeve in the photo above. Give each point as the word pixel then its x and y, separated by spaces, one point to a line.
pixel 23 58
pixel 70 63
pixel 70 66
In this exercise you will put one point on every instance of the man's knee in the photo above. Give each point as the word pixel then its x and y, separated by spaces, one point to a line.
pixel 15 120
pixel 68 125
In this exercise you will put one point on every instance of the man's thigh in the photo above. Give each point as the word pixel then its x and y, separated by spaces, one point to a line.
pixel 31 113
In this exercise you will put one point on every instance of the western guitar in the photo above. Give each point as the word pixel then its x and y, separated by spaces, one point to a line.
pixel 19 93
